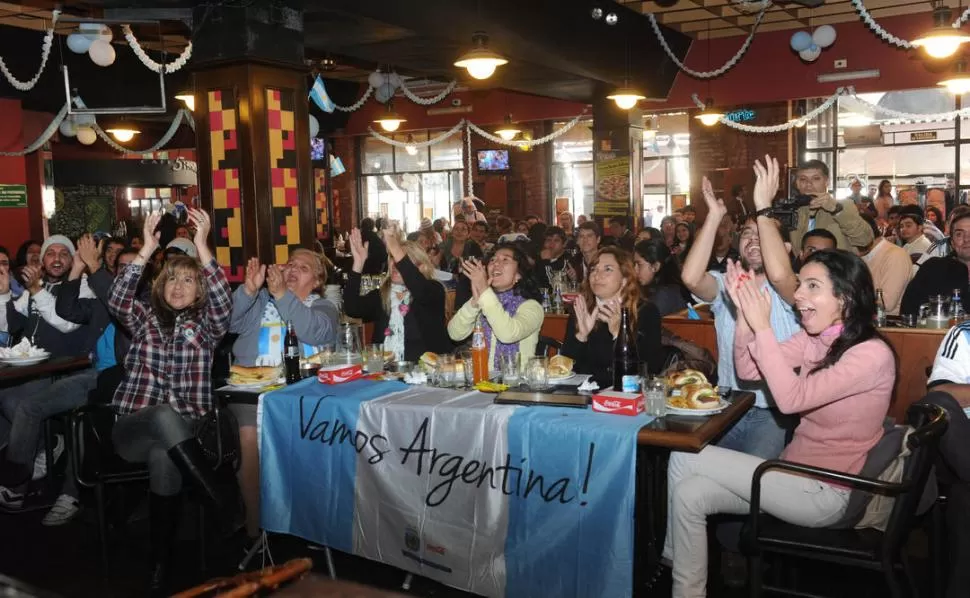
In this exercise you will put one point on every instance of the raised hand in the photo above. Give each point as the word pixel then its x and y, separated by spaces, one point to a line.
pixel 149 236
pixel 756 305
pixel 766 182
pixel 88 253
pixel 609 314
pixel 33 279
pixel 255 276
pixel 275 281
pixel 585 320
pixel 202 226
pixel 477 274
pixel 358 249
pixel 715 207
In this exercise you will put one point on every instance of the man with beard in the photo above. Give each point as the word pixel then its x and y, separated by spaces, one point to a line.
pixel 760 431
pixel 33 316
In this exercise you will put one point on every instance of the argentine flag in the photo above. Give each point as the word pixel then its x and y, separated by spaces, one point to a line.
pixel 318 93
pixel 498 500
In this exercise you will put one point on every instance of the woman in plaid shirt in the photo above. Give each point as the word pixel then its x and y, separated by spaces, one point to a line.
pixel 167 384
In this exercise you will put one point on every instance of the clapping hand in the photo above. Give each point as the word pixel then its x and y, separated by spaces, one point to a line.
pixel 358 249
pixel 585 320
pixel 734 278
pixel 33 278
pixel 715 207
pixel 149 235
pixel 477 274
pixel 275 281
pixel 766 182
pixel 255 276
pixel 608 312
pixel 202 225
pixel 88 254
pixel 755 303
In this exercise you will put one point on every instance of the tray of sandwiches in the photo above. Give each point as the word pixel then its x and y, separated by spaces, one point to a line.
pixel 691 394
pixel 254 378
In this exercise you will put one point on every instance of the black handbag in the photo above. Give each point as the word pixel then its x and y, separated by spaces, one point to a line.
pixel 218 433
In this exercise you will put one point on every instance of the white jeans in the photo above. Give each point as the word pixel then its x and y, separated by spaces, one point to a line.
pixel 718 480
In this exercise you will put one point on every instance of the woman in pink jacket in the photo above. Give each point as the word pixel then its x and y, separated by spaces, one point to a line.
pixel 837 373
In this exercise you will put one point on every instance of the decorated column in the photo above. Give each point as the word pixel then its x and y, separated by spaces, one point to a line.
pixel 617 162
pixel 255 173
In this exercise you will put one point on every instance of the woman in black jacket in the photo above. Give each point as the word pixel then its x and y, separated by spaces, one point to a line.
pixel 408 310
pixel 595 322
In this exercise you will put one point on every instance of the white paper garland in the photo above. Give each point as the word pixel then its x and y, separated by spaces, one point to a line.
pixel 417 144
pixel 171 67
pixel 176 123
pixel 528 142
pixel 469 185
pixel 716 72
pixel 797 122
pixel 913 116
pixel 889 37
pixel 44 136
pixel 356 105
pixel 429 100
pixel 44 55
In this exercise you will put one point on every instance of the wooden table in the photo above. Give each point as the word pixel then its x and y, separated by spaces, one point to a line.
pixel 12 375
pixel 915 351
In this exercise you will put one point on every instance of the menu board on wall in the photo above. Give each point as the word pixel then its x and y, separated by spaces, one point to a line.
pixel 612 184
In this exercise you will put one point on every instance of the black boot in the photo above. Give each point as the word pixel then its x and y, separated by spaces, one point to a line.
pixel 163 513
pixel 220 490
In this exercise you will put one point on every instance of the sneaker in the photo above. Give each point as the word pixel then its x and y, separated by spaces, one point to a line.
pixel 10 500
pixel 40 461
pixel 64 509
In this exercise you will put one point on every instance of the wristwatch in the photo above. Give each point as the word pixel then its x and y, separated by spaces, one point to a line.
pixel 764 212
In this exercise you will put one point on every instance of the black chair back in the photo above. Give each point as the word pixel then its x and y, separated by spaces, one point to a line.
pixel 545 344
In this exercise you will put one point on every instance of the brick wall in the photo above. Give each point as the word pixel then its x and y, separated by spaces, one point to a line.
pixel 525 188
pixel 726 155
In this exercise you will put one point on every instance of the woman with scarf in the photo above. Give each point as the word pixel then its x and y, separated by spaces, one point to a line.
pixel 259 317
pixel 611 285
pixel 504 297
pixel 408 310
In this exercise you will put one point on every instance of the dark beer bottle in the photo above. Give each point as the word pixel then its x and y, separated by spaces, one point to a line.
pixel 626 360
pixel 291 355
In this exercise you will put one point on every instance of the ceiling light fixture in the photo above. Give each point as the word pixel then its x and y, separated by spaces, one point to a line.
pixel 710 116
pixel 390 121
pixel 959 82
pixel 409 148
pixel 123 131
pixel 480 61
pixel 508 131
pixel 942 40
pixel 626 97
pixel 188 98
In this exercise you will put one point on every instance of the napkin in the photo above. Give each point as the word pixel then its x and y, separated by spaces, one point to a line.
pixel 22 350
pixel 415 378
pixel 589 385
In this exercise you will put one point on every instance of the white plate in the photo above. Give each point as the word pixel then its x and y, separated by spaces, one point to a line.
pixel 561 378
pixel 24 360
pixel 721 406
pixel 255 385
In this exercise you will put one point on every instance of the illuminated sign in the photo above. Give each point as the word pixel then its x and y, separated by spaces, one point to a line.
pixel 740 116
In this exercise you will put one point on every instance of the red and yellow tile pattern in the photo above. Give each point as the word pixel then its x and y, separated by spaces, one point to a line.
pixel 282 168
pixel 226 162
pixel 320 201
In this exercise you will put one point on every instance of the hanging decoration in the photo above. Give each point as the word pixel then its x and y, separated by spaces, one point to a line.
pixel 523 143
pixel 810 45
pixel 429 100
pixel 889 37
pixel 716 72
pixel 145 59
pixel 176 123
pixel 44 137
pixel 418 144
pixel 469 183
pixel 382 85
pixel 45 53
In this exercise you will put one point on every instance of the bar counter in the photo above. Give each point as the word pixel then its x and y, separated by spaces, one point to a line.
pixel 915 350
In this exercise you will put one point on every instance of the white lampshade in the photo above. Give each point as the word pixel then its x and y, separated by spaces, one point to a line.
pixel 480 62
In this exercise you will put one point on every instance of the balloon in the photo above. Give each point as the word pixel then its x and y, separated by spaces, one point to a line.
pixel 824 36
pixel 314 126
pixel 801 41
pixel 84 120
pixel 67 128
pixel 394 80
pixel 810 54
pixel 96 31
pixel 86 135
pixel 78 43
pixel 376 79
pixel 383 93
pixel 102 53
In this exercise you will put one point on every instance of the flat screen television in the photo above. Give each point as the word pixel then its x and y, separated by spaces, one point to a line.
pixel 493 160
pixel 317 148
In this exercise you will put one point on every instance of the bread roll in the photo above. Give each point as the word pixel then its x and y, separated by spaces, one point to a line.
pixel 702 396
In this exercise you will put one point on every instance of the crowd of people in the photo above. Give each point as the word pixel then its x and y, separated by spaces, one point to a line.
pixel 793 308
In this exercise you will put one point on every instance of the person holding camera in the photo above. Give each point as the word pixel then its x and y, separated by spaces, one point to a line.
pixel 816 208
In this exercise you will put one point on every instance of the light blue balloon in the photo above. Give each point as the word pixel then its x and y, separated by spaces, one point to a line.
pixel 801 40
pixel 813 48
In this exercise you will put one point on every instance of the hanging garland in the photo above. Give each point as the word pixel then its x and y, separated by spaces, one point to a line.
pixel 889 37
pixel 716 72
pixel 469 185
pixel 821 108
pixel 172 128
pixel 431 100
pixel 417 144
pixel 356 105
pixel 912 116
pixel 44 136
pixel 44 55
pixel 529 142
pixel 171 67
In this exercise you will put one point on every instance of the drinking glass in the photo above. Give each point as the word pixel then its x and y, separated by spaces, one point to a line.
pixel 466 372
pixel 374 358
pixel 655 396
pixel 446 371
pixel 537 373
pixel 510 369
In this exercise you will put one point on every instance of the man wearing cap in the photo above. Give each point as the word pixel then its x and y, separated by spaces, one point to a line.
pixel 182 246
pixel 33 316
pixel 427 228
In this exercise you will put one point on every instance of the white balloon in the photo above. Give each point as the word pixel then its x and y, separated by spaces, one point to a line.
pixel 102 53
pixel 824 36
pixel 86 135
pixel 314 126
pixel 394 80
pixel 96 31
pixel 82 120
pixel 383 93
pixel 67 128
pixel 78 43
pixel 811 54
pixel 376 79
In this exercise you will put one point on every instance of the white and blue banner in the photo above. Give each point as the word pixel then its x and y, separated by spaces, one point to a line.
pixel 496 500
pixel 319 95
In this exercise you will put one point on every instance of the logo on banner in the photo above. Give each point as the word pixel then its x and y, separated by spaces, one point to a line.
pixel 412 539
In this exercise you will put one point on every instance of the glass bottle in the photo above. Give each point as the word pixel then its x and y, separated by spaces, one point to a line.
pixel 291 355
pixel 880 310
pixel 626 359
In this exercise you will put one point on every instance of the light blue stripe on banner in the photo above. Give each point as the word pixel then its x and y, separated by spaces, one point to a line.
pixel 585 546
pixel 308 463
